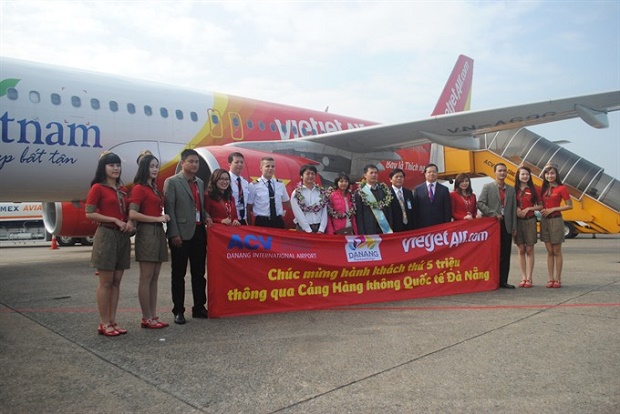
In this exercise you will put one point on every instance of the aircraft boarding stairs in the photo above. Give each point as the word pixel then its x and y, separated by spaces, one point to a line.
pixel 596 195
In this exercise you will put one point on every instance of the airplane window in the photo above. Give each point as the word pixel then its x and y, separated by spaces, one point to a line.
pixel 193 116
pixel 284 129
pixel 35 97
pixel 261 125
pixel 113 106
pixel 148 111
pixel 272 126
pixel 179 114
pixel 12 94
pixel 55 99
pixel 294 130
pixel 163 112
pixel 214 119
pixel 235 122
pixel 76 101
pixel 250 124
pixel 131 108
pixel 95 104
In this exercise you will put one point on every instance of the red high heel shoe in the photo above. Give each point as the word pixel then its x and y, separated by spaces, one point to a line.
pixel 150 324
pixel 107 330
pixel 118 329
pixel 162 323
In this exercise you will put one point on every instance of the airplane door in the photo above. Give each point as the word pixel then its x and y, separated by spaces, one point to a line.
pixel 215 123
pixel 236 126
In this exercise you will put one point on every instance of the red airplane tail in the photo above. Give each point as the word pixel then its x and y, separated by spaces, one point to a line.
pixel 456 95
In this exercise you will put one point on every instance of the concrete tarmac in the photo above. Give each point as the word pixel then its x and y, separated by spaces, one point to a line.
pixel 533 350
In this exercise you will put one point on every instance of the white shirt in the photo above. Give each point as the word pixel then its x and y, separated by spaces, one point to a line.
pixel 305 219
pixel 258 196
pixel 235 192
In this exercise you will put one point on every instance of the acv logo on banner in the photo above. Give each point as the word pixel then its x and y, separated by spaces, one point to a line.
pixel 363 248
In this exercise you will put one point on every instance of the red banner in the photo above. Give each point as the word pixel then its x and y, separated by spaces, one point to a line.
pixel 254 270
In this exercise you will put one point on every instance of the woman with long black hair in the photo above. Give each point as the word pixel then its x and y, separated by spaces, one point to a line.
pixel 106 204
pixel 147 208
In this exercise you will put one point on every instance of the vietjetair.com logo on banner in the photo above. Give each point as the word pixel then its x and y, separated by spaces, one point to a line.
pixel 363 248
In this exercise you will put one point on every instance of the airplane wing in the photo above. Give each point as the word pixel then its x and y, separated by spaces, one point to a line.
pixel 459 129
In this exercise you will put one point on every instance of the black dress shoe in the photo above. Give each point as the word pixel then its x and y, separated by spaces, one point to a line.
pixel 200 313
pixel 179 318
pixel 506 286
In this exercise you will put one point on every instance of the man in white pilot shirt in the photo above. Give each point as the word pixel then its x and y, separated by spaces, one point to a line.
pixel 267 198
pixel 239 185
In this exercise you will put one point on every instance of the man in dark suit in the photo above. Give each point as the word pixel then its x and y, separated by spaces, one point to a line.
pixel 431 201
pixel 500 201
pixel 401 207
pixel 372 201
pixel 187 235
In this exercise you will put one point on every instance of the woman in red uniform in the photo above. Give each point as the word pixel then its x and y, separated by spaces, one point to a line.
pixel 146 207
pixel 526 237
pixel 341 208
pixel 219 201
pixel 552 224
pixel 106 204
pixel 463 199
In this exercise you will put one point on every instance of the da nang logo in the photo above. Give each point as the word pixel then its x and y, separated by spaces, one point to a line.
pixel 363 248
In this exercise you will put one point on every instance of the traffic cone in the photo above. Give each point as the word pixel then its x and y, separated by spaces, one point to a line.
pixel 54 244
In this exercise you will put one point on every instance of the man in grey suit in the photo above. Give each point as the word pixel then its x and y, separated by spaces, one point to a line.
pixel 500 201
pixel 187 235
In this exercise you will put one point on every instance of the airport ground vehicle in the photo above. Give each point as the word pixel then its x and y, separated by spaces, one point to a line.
pixel 24 221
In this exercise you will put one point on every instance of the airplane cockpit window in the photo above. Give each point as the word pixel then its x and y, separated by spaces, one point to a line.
pixel 95 104
pixel 148 111
pixel 250 124
pixel 12 94
pixel 55 98
pixel 113 106
pixel 76 101
pixel 193 116
pixel 179 114
pixel 163 112
pixel 131 108
pixel 35 97
pixel 261 125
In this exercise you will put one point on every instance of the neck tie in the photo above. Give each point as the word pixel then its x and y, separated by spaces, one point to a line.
pixel 272 201
pixel 431 194
pixel 240 198
pixel 401 201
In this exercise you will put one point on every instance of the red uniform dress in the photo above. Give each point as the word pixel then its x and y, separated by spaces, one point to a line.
pixel 220 209
pixel 108 201
pixel 111 247
pixel 461 205
pixel 524 200
pixel 150 243
pixel 147 200
pixel 553 198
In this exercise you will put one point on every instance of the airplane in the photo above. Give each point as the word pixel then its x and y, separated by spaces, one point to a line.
pixel 57 121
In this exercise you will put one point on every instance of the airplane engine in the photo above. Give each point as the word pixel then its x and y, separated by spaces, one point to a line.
pixel 287 167
pixel 67 219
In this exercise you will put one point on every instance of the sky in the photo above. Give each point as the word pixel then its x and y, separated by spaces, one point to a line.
pixel 384 61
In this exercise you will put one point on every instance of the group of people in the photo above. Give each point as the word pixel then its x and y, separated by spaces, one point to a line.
pixel 188 207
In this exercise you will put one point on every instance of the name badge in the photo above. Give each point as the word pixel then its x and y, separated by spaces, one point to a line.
pixel 197 216
pixel 409 205
pixel 502 213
